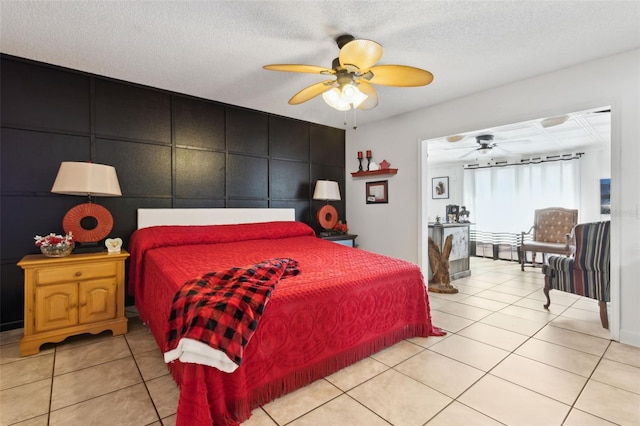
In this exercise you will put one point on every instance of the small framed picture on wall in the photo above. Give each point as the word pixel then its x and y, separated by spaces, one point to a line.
pixel 377 192
pixel 440 187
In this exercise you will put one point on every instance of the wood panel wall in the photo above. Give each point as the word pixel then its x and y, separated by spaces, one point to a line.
pixel 169 150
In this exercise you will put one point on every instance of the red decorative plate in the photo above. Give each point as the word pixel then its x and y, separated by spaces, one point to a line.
pixel 327 216
pixel 72 222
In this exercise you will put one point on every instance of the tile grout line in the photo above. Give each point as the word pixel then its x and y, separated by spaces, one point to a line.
pixel 53 376
pixel 585 385
pixel 144 382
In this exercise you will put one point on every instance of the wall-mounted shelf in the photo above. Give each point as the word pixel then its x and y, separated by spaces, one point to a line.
pixel 375 172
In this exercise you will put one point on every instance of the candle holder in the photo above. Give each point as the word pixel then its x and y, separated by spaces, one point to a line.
pixel 359 161
pixel 369 157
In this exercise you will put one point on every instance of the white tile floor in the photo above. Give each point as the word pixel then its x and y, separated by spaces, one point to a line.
pixel 505 360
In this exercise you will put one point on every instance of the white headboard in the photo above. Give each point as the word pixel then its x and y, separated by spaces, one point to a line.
pixel 157 217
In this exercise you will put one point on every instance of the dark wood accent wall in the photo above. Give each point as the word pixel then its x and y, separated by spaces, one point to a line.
pixel 169 150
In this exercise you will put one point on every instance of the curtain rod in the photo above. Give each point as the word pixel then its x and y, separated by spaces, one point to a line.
pixel 525 161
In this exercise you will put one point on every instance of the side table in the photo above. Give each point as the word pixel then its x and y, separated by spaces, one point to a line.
pixel 348 240
pixel 65 296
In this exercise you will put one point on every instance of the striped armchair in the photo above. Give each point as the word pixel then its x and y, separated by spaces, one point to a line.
pixel 587 274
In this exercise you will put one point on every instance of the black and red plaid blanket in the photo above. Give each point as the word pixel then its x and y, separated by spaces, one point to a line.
pixel 214 315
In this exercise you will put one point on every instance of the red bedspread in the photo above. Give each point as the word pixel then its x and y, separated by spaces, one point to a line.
pixel 345 305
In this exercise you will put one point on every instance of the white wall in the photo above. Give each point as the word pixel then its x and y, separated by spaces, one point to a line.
pixel 396 228
pixel 438 207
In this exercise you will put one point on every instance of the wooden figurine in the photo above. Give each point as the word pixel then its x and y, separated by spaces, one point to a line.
pixel 440 281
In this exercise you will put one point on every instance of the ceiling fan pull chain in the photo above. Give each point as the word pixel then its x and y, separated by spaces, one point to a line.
pixel 355 120
pixel 345 118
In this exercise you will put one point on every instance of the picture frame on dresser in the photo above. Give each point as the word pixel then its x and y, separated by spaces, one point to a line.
pixel 440 187
pixel 377 192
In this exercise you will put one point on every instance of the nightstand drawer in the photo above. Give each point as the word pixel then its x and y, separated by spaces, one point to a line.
pixel 76 272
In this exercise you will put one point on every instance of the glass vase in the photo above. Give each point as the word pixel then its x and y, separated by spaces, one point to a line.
pixel 59 250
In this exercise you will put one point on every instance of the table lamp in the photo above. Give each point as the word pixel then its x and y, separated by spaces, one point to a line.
pixel 89 222
pixel 327 190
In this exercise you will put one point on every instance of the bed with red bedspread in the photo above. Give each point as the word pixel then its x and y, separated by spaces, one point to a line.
pixel 344 305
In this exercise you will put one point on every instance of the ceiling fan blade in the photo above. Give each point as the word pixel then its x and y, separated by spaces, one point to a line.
pixel 519 141
pixel 311 92
pixel 400 75
pixel 504 151
pixel 456 148
pixel 372 96
pixel 312 69
pixel 468 153
pixel 362 54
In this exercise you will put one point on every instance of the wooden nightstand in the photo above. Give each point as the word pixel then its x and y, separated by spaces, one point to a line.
pixel 344 239
pixel 65 296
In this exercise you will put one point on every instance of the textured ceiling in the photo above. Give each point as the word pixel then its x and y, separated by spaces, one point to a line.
pixel 216 49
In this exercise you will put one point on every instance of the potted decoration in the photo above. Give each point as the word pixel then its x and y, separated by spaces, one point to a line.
pixel 53 245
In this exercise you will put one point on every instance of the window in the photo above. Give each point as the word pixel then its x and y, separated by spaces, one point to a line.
pixel 503 199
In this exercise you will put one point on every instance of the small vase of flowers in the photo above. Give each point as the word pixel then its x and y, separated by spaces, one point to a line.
pixel 53 245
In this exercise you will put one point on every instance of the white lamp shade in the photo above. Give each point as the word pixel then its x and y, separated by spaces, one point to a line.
pixel 333 99
pixel 80 178
pixel 352 95
pixel 327 190
pixel 344 97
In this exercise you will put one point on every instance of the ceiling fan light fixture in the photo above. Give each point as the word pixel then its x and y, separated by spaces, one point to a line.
pixel 334 100
pixel 484 150
pixel 344 98
pixel 454 138
pixel 353 95
pixel 554 121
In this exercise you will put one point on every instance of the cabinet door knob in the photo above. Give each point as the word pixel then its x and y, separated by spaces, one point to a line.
pixel 78 274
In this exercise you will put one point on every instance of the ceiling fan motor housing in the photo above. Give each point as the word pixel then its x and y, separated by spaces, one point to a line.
pixel 343 39
pixel 484 138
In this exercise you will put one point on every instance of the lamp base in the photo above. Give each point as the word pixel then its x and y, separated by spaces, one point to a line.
pixel 100 226
pixel 89 248
pixel 327 217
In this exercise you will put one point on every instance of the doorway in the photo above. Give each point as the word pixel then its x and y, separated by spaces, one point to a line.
pixel 585 132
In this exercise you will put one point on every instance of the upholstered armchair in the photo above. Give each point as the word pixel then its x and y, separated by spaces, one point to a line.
pixel 588 272
pixel 552 234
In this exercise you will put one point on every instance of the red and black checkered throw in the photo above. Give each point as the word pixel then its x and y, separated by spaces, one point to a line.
pixel 222 308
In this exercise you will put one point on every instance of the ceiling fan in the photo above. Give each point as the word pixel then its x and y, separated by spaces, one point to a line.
pixel 486 145
pixel 355 73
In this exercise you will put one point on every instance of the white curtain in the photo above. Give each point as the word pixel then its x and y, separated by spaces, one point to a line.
pixel 503 199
